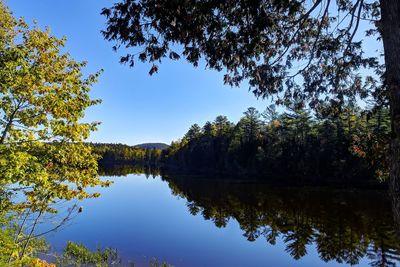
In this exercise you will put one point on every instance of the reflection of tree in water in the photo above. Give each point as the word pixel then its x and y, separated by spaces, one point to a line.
pixel 125 169
pixel 344 226
pixel 382 252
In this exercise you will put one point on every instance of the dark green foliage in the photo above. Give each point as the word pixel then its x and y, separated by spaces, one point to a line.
pixel 193 133
pixel 321 147
pixel 124 154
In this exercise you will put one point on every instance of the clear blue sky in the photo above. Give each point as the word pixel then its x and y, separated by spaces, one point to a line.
pixel 136 108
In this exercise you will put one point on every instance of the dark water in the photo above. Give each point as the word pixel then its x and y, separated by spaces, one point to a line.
pixel 189 221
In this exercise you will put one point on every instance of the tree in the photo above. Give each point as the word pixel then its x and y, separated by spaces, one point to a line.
pixel 251 124
pixel 222 125
pixel 194 132
pixel 43 97
pixel 294 51
pixel 209 129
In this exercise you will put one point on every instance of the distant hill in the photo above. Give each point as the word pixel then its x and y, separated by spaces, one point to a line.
pixel 153 146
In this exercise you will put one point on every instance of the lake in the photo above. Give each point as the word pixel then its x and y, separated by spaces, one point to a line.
pixel 197 221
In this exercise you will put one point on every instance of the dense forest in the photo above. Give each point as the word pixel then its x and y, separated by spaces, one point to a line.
pixel 349 145
pixel 302 146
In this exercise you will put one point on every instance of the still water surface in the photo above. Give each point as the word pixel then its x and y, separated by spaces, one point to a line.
pixel 203 222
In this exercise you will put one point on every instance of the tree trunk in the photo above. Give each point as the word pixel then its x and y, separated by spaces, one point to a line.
pixel 390 29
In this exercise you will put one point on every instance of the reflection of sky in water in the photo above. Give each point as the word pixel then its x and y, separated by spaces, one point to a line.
pixel 141 219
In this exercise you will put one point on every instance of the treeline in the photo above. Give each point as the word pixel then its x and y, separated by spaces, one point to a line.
pixel 349 145
pixel 111 154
